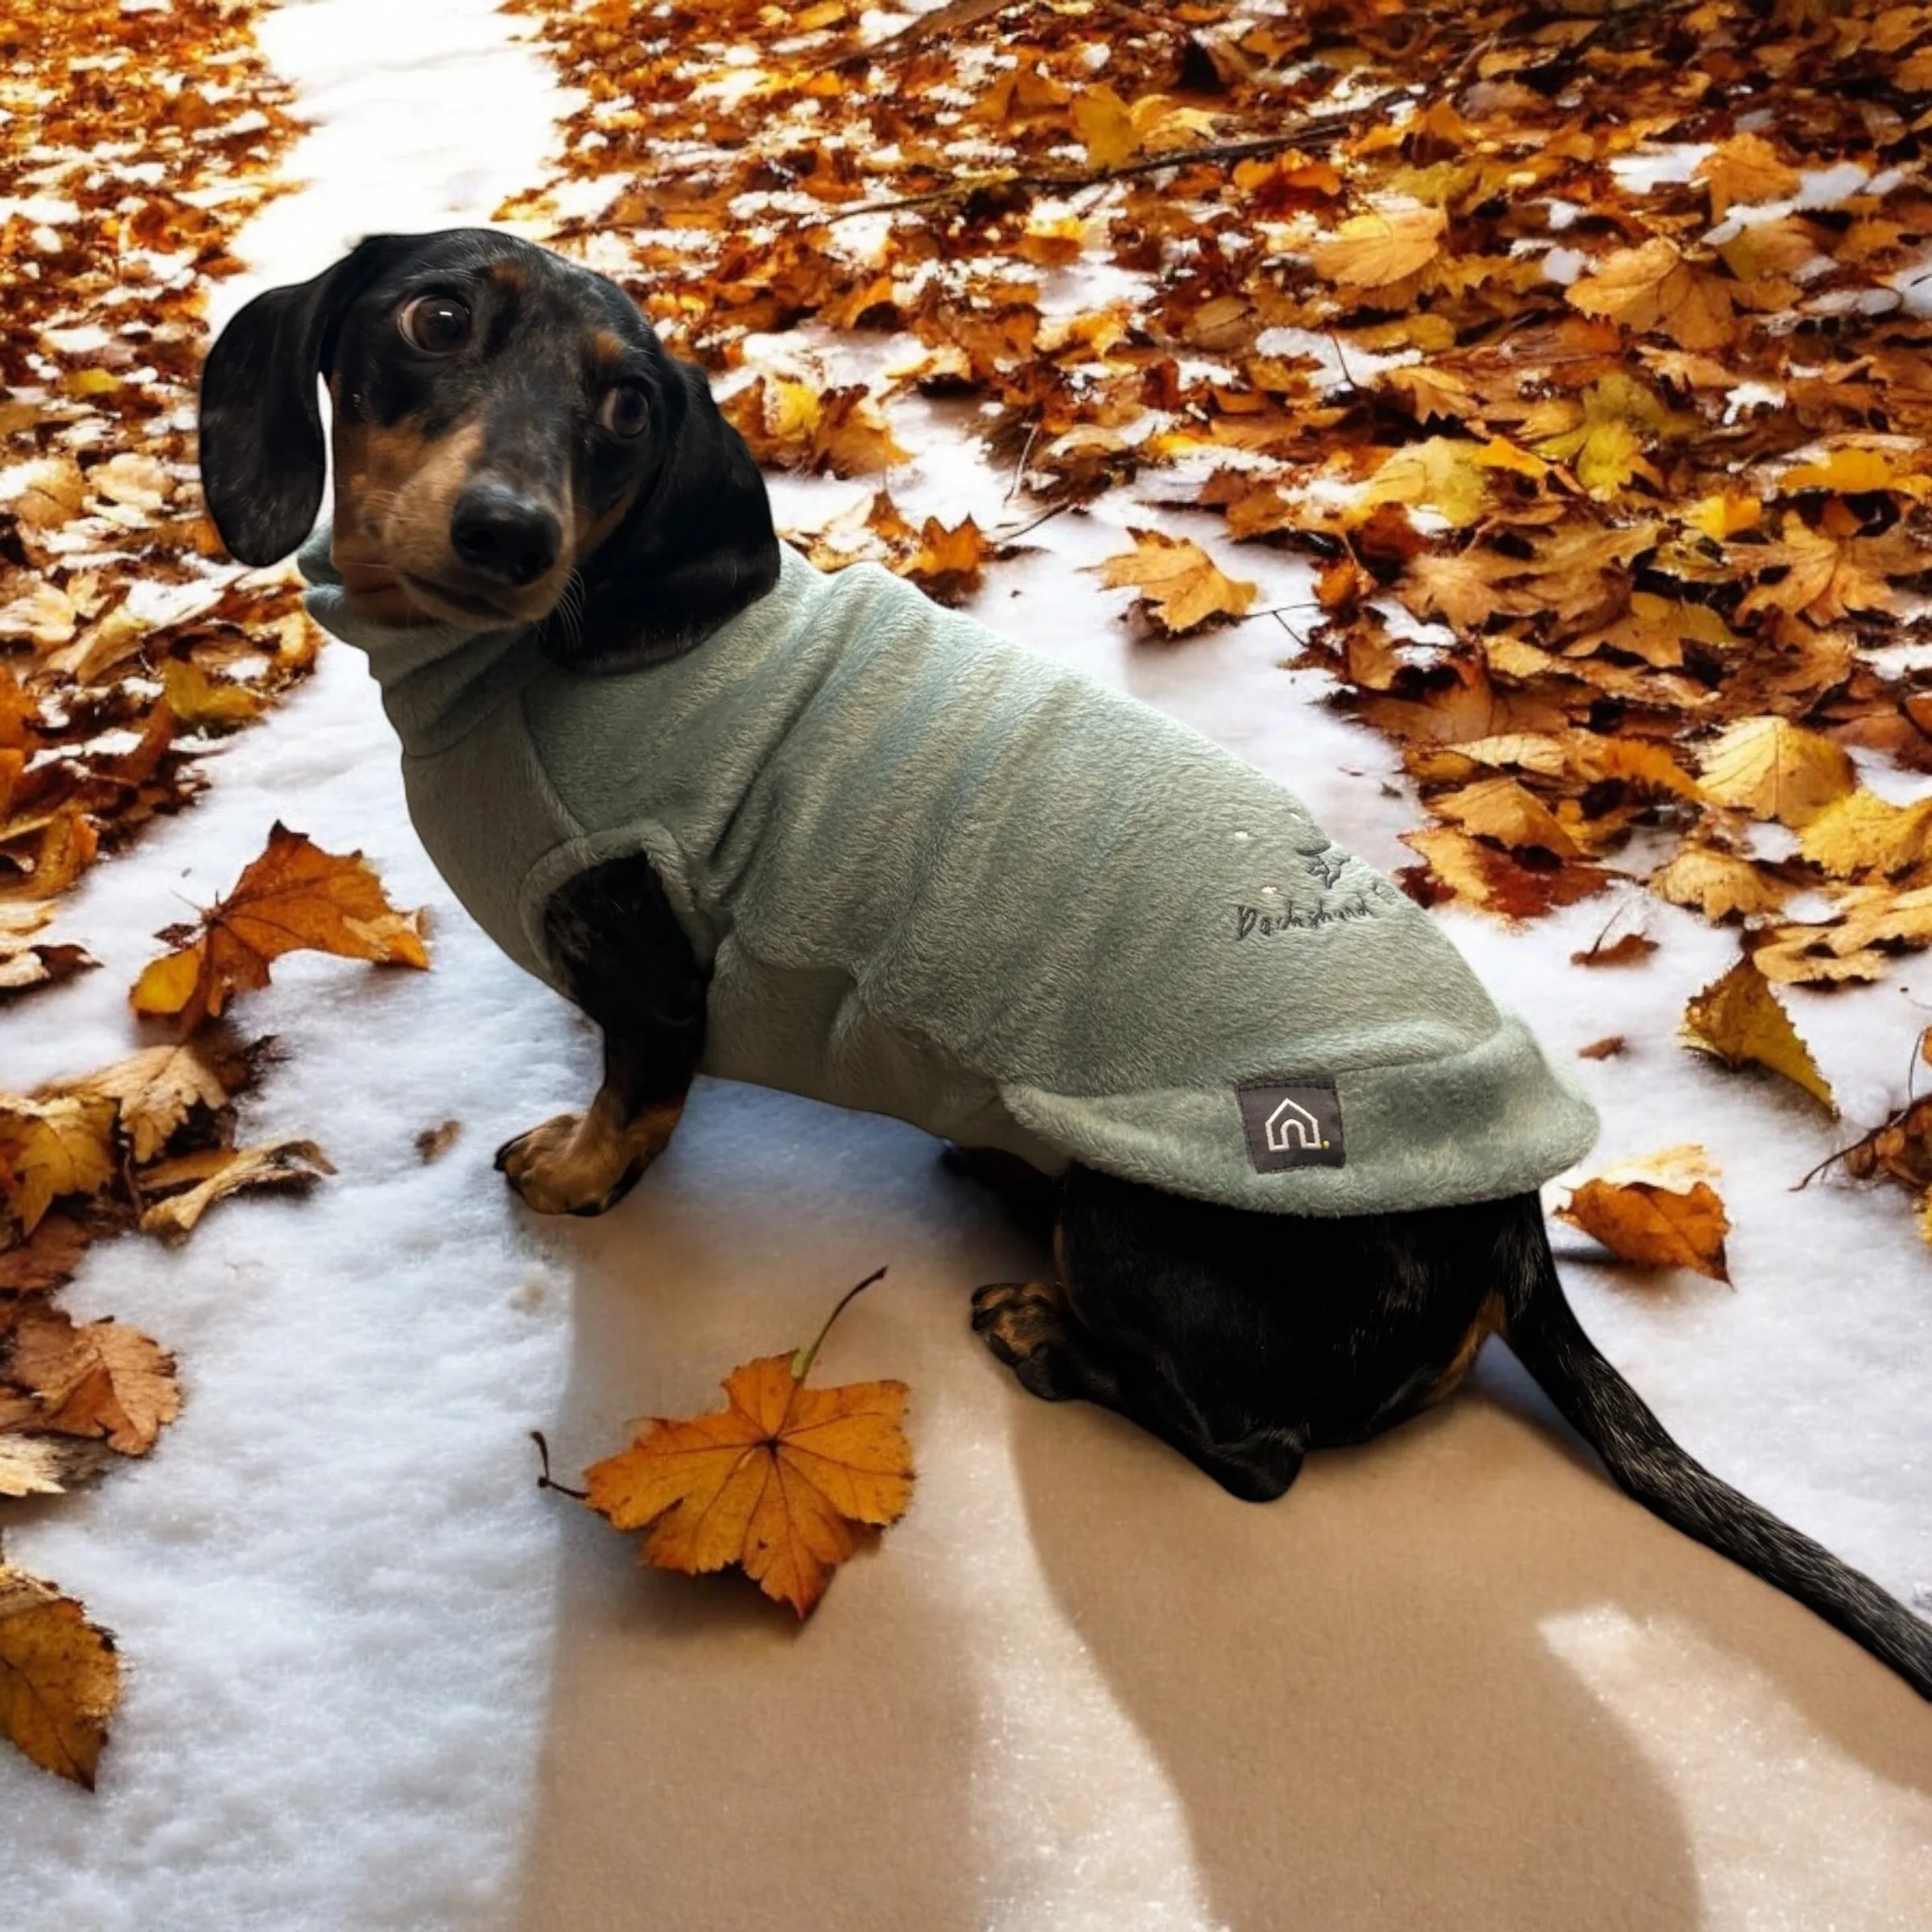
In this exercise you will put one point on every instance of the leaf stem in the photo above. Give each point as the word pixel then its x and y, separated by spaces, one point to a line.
pixel 801 1363
pixel 545 1480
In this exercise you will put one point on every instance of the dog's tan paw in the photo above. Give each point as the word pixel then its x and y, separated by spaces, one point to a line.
pixel 1016 1319
pixel 583 1163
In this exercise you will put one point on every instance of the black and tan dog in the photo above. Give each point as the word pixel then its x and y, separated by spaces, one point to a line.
pixel 513 447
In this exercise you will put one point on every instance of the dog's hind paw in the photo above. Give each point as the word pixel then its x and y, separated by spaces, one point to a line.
pixel 1026 1324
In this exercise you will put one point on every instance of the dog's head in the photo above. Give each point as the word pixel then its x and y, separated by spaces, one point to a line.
pixel 512 445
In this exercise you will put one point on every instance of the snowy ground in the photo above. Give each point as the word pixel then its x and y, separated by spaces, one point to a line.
pixel 377 1681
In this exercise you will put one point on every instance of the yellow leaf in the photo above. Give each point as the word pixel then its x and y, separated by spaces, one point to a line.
pixel 1738 1019
pixel 1105 126
pixel 196 699
pixel 1661 1212
pixel 157 1089
pixel 287 1164
pixel 1445 475
pixel 1501 809
pixel 1183 588
pixel 1854 469
pixel 59 1680
pixel 1717 884
pixel 51 1147
pixel 1775 770
pixel 1863 833
pixel 1724 515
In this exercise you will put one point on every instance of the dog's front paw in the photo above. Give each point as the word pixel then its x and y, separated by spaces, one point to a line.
pixel 571 1165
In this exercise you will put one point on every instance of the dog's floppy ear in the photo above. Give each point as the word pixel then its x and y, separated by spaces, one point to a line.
pixel 262 456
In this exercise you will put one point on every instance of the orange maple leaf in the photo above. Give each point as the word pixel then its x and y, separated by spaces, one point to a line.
pixel 774 1482
pixel 294 897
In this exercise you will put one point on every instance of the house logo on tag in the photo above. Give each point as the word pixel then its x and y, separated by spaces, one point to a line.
pixel 1291 1123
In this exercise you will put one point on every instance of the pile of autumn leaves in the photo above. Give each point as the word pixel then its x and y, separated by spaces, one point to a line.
pixel 148 1143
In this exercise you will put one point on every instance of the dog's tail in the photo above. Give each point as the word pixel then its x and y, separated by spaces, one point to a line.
pixel 1544 1333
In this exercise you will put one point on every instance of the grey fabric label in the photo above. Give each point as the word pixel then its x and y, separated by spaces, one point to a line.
pixel 1291 1123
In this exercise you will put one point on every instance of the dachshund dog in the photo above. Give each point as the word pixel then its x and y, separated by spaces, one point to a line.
pixel 515 454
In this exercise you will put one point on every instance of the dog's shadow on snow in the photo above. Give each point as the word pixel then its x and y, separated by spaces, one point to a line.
pixel 1452 1679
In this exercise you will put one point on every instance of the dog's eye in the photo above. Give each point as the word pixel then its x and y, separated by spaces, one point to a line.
pixel 624 411
pixel 437 323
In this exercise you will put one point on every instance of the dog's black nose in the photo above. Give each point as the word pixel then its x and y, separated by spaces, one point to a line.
pixel 504 535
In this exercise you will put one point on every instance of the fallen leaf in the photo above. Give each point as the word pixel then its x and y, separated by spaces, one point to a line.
pixel 1483 875
pixel 1900 1148
pixel 51 1145
pixel 1183 588
pixel 60 1679
pixel 1776 769
pixel 286 1164
pixel 96 1379
pixel 1502 810
pixel 156 1090
pixel 1375 250
pixel 294 897
pixel 1717 884
pixel 48 1257
pixel 1661 1212
pixel 1654 287
pixel 1607 1048
pixel 1738 1019
pixel 1862 834
pixel 1631 950
pixel 196 699
pixel 774 1482
pixel 40 1465
pixel 1745 168
pixel 432 1143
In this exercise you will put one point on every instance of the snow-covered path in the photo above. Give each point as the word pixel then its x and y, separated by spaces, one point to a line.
pixel 377 1681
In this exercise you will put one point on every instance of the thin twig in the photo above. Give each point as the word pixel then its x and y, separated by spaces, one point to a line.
pixel 1320 129
pixel 544 1480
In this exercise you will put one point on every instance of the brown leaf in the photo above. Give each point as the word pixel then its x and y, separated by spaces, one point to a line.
pixel 99 1379
pixel 294 897
pixel 1481 875
pixel 1660 1212
pixel 47 1258
pixel 1654 287
pixel 60 1679
pixel 432 1143
pixel 1738 1019
pixel 1632 949
pixel 1745 168
pixel 1607 1048
pixel 295 1165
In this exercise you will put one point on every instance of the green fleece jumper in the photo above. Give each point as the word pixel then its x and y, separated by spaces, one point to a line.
pixel 935 875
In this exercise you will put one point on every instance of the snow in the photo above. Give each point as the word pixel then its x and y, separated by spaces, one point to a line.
pixel 376 1680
